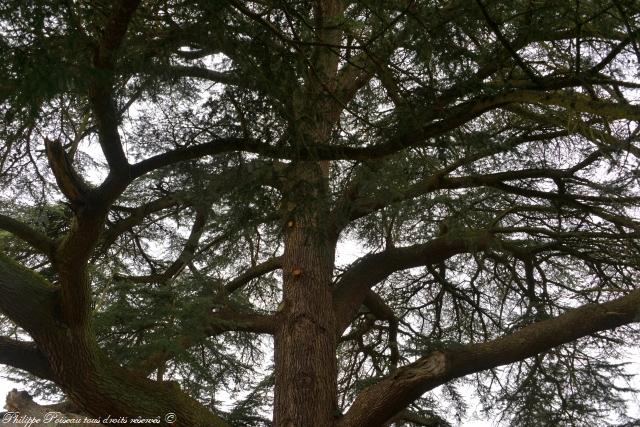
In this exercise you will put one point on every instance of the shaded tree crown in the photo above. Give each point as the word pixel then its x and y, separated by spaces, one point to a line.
pixel 180 180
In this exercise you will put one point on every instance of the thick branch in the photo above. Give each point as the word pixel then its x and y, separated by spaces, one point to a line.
pixel 22 231
pixel 217 146
pixel 101 89
pixel 26 356
pixel 438 121
pixel 114 31
pixel 227 319
pixel 26 298
pixel 354 285
pixel 382 401
pixel 224 320
pixel 96 383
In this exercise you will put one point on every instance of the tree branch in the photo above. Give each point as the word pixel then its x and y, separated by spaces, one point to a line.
pixel 221 321
pixel 70 183
pixel 101 88
pixel 78 366
pixel 26 356
pixel 381 401
pixel 26 298
pixel 30 235
pixel 188 251
pixel 514 54
pixel 382 311
pixel 252 273
pixel 137 215
pixel 576 102
pixel 224 77
pixel 352 288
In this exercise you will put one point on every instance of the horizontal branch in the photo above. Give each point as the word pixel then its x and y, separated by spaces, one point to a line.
pixel 217 146
pixel 227 319
pixel 26 356
pixel 253 273
pixel 381 401
pixel 438 181
pixel 578 103
pixel 221 321
pixel 225 77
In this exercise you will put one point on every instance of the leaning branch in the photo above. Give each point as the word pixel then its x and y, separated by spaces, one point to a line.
pixel 186 255
pixel 253 273
pixel 30 235
pixel 354 285
pixel 138 214
pixel 381 401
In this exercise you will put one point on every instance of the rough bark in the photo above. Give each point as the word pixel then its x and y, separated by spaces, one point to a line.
pixel 305 342
pixel 381 401
pixel 77 364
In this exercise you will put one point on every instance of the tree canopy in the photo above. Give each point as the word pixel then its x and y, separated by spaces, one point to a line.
pixel 181 180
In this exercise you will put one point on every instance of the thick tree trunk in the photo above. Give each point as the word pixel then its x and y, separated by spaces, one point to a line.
pixel 305 342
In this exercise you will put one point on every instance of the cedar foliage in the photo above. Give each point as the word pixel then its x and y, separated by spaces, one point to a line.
pixel 483 157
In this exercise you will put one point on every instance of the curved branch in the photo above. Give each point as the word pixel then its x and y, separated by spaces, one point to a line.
pixel 355 283
pixel 381 310
pixel 381 401
pixel 101 89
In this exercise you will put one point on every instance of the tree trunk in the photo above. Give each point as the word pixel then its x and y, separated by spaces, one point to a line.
pixel 305 343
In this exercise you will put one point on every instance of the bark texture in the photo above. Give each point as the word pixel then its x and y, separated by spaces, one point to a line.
pixel 305 342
